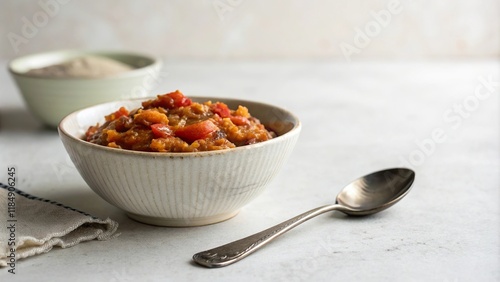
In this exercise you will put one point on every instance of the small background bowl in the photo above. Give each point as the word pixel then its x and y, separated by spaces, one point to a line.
pixel 50 99
pixel 180 189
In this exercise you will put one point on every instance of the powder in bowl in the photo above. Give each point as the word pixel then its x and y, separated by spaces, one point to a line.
pixel 83 67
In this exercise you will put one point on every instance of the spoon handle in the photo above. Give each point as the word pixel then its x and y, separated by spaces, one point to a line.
pixel 237 250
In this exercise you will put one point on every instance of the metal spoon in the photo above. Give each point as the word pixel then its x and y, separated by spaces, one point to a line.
pixel 367 195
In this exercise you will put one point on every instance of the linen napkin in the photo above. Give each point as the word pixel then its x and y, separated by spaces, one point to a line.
pixel 32 226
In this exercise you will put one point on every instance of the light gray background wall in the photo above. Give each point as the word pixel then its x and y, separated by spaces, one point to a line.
pixel 245 29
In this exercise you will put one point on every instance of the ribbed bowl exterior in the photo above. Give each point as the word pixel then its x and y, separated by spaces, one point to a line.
pixel 177 189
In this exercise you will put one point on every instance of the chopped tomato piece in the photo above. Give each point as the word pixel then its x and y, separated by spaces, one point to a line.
pixel 121 112
pixel 161 130
pixel 169 101
pixel 196 131
pixel 221 109
pixel 179 99
pixel 239 120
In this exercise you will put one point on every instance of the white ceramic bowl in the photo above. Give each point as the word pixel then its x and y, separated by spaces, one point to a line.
pixel 50 99
pixel 180 189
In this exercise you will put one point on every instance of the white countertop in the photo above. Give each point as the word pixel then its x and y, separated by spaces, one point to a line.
pixel 357 118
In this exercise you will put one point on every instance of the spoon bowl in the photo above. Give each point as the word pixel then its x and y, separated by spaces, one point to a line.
pixel 367 195
pixel 376 191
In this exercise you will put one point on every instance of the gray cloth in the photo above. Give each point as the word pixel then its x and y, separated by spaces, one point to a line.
pixel 34 226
